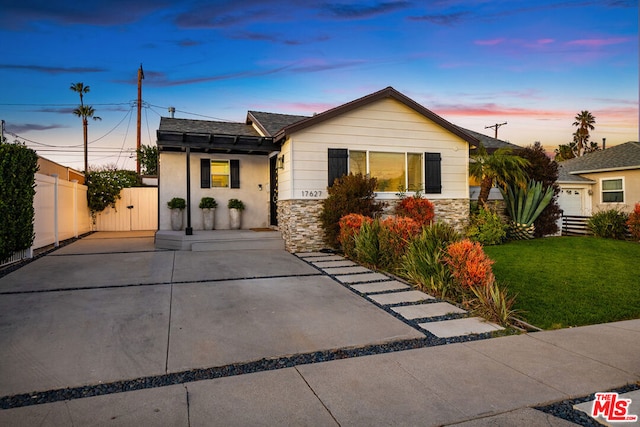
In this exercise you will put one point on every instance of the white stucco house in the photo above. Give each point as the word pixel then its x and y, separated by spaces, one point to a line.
pixel 600 180
pixel 280 165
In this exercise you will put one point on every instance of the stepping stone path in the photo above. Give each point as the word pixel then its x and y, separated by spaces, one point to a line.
pixel 420 310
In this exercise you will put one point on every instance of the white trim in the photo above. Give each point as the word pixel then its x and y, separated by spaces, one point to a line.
pixel 406 169
pixel 622 168
pixel 602 191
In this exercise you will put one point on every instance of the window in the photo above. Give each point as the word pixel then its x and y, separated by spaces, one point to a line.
pixel 220 173
pixel 394 171
pixel 612 190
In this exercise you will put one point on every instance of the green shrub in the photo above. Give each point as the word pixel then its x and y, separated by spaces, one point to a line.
pixel 235 204
pixel 177 203
pixel 350 226
pixel 494 304
pixel 367 246
pixel 18 165
pixel 423 261
pixel 104 186
pixel 348 194
pixel 611 224
pixel 487 227
pixel 208 203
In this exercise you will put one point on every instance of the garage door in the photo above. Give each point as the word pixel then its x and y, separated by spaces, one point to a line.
pixel 571 201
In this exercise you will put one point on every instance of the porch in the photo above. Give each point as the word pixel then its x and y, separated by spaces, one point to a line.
pixel 220 240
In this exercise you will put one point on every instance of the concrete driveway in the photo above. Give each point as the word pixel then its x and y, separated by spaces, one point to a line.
pixel 110 307
pixel 109 331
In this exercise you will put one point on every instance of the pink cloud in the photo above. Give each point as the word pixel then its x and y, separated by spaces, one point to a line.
pixel 490 109
pixel 595 43
pixel 491 42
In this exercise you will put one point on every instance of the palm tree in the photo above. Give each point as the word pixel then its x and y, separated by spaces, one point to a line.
pixel 502 167
pixel 84 112
pixel 584 121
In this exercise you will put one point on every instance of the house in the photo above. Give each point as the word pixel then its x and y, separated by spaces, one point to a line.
pixel 600 180
pixel 281 165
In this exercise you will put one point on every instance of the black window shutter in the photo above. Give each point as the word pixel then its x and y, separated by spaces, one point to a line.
pixel 205 173
pixel 338 163
pixel 432 173
pixel 235 173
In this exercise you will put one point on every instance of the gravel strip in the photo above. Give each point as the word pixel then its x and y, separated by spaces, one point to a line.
pixel 57 395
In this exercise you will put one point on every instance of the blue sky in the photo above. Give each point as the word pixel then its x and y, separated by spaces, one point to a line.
pixel 533 65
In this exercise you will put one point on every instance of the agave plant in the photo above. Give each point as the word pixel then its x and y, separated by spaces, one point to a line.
pixel 524 206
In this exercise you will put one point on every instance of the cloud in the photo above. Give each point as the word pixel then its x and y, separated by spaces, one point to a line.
pixel 161 80
pixel 52 69
pixel 490 42
pixel 314 65
pixel 28 127
pixel 278 38
pixel 358 11
pixel 188 43
pixel 447 19
pixel 597 43
pixel 222 15
pixel 491 109
pixel 98 12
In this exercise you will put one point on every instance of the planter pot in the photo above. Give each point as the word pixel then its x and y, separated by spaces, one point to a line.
pixel 176 219
pixel 235 217
pixel 209 218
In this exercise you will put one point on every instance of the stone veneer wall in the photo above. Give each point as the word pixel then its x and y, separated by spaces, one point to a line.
pixel 299 221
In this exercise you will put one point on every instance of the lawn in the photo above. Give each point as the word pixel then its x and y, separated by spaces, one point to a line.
pixel 570 281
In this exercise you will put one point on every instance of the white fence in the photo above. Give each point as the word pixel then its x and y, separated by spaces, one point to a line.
pixel 61 210
pixel 137 209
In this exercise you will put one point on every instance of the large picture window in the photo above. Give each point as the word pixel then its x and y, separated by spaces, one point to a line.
pixel 394 171
pixel 613 190
pixel 220 173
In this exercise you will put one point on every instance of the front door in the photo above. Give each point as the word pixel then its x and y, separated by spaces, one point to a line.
pixel 273 190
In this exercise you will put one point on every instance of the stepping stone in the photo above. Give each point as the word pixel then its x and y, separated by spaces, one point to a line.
pixel 345 270
pixel 326 258
pixel 325 264
pixel 310 254
pixel 459 327
pixel 427 310
pixel 392 285
pixel 361 278
pixel 400 297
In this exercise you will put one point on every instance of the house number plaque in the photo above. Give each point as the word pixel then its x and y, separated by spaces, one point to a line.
pixel 311 194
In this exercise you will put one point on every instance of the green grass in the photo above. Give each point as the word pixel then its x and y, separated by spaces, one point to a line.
pixel 570 281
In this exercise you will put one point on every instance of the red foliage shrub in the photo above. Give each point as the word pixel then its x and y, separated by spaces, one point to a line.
pixel 395 234
pixel 634 222
pixel 419 209
pixel 470 266
pixel 349 226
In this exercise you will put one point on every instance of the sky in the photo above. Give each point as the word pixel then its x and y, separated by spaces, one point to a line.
pixel 533 65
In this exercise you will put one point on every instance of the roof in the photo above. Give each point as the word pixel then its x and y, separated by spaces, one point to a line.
pixel 489 143
pixel 565 177
pixel 272 123
pixel 211 136
pixel 385 93
pixel 619 157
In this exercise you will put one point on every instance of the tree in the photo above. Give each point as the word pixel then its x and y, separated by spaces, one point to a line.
pixel 84 112
pixel 501 167
pixel 565 152
pixel 584 120
pixel 148 158
pixel 542 169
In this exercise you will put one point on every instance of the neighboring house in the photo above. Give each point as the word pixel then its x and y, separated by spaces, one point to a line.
pixel 281 165
pixel 601 180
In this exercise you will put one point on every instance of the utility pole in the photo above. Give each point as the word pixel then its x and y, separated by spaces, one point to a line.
pixel 496 126
pixel 140 77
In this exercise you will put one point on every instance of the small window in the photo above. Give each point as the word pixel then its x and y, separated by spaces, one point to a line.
pixel 220 173
pixel 414 171
pixel 613 190
pixel 358 162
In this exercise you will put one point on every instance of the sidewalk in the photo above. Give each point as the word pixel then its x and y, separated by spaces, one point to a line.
pixel 99 319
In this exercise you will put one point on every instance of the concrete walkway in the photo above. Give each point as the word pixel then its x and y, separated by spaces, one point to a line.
pixel 109 313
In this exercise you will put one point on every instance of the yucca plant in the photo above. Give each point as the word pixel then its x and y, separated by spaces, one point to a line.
pixel 524 206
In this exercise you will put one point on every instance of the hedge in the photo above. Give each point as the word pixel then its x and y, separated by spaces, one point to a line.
pixel 18 165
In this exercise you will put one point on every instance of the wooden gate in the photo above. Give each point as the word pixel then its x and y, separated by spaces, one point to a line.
pixel 136 210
